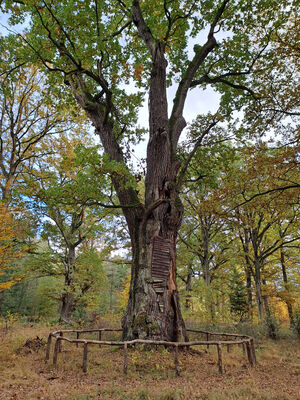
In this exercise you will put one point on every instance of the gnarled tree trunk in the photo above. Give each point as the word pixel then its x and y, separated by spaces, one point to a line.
pixel 153 308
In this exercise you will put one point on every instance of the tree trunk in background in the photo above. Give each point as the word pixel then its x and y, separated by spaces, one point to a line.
pixel 258 290
pixel 245 240
pixel 286 286
pixel 266 300
pixel 67 298
pixel 249 292
pixel 205 238
pixel 188 288
pixel 67 307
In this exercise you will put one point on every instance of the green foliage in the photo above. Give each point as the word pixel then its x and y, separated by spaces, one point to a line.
pixel 272 326
pixel 296 324
pixel 238 295
pixel 35 298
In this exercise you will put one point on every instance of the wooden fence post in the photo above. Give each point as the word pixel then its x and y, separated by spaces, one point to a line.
pixel 77 337
pixel 243 347
pixel 60 342
pixel 85 353
pixel 220 361
pixel 99 337
pixel 249 353
pixel 56 350
pixel 176 361
pixel 48 348
pixel 125 358
pixel 253 350
pixel 207 339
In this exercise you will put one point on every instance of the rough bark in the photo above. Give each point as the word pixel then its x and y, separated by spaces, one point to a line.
pixel 245 240
pixel 67 298
pixel 249 292
pixel 153 308
pixel 188 288
pixel 205 258
pixel 258 289
pixel 285 280
pixel 67 307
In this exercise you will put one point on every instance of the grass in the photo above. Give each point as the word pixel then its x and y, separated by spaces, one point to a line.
pixel 151 375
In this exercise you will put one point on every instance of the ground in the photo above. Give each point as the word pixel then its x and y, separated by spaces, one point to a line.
pixel 151 376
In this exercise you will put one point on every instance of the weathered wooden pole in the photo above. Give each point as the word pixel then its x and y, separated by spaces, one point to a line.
pixel 47 356
pixel 253 350
pixel 60 342
pixel 249 353
pixel 176 360
pixel 99 337
pixel 125 359
pixel 220 361
pixel 77 337
pixel 243 347
pixel 56 350
pixel 85 353
pixel 207 339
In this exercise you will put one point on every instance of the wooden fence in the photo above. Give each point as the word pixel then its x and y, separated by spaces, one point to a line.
pixel 246 342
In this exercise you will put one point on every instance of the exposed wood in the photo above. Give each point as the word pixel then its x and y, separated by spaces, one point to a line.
pixel 160 260
pixel 220 361
pixel 77 337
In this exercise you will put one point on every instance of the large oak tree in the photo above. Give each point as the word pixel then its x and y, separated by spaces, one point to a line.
pixel 97 48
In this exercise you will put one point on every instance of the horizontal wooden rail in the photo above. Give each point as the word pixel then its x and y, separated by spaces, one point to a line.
pixel 219 333
pixel 245 341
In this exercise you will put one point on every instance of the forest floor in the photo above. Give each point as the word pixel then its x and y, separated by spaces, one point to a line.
pixel 151 376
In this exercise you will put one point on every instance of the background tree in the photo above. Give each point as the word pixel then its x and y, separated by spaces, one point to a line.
pixel 27 117
pixel 62 189
pixel 10 249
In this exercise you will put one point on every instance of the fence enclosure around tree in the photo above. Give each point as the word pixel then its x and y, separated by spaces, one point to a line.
pixel 227 339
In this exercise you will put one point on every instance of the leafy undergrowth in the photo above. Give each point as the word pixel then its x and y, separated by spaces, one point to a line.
pixel 151 375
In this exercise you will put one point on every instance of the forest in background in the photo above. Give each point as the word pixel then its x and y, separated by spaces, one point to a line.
pixel 64 247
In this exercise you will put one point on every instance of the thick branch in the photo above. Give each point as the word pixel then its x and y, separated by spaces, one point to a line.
pixel 177 122
pixel 142 27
